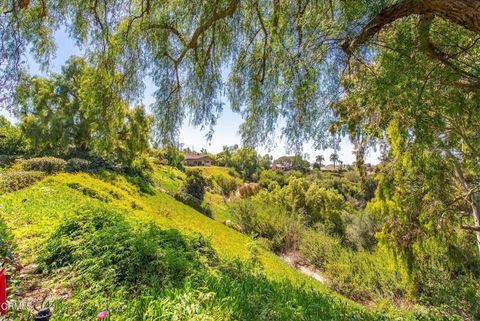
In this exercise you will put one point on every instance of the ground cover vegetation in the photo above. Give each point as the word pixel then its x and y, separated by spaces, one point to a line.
pixel 109 246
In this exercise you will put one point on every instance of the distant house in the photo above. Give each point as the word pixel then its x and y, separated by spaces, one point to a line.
pixel 198 160
pixel 284 165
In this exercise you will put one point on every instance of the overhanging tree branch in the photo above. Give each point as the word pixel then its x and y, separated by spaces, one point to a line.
pixel 222 14
pixel 465 13
pixel 434 52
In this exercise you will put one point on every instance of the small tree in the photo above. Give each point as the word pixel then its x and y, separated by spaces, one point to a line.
pixel 172 155
pixel 12 141
pixel 226 184
pixel 194 184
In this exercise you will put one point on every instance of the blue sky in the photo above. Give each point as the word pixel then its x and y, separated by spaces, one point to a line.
pixel 226 130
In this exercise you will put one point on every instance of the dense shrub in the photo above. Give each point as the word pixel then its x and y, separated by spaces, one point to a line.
pixel 140 173
pixel 319 249
pixel 365 276
pixel 140 166
pixel 11 181
pixel 101 249
pixel 49 165
pixel 7 160
pixel 75 165
pixel 360 231
pixel 193 202
pixel 352 176
pixel 227 185
pixel 448 276
pixel 267 177
pixel 271 222
pixel 194 184
pixel 327 207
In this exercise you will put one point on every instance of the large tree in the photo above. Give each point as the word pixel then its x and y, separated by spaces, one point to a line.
pixel 79 111
pixel 284 58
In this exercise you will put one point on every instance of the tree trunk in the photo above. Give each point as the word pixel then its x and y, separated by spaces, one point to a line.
pixel 474 203
pixel 465 13
pixel 476 218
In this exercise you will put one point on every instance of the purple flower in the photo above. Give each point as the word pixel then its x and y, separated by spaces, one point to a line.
pixel 102 314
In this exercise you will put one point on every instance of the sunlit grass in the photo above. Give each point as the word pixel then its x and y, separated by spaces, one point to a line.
pixel 168 178
pixel 34 212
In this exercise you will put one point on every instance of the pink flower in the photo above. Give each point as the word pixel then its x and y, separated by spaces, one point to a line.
pixel 102 314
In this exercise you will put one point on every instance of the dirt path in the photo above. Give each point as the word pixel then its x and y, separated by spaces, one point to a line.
pixel 293 260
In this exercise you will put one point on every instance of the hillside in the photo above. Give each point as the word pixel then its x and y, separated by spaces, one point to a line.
pixel 277 292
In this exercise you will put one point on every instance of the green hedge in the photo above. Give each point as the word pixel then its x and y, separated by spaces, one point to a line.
pixel 49 165
pixel 7 160
pixel 11 181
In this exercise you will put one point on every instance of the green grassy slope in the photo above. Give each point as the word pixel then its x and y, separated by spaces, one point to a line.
pixel 32 214
pixel 170 180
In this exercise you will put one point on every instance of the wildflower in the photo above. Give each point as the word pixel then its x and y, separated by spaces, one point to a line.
pixel 102 314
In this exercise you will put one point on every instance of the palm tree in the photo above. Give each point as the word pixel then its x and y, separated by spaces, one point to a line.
pixel 319 159
pixel 334 159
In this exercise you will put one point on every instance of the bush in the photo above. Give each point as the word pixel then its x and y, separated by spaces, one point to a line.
pixel 102 249
pixel 364 276
pixel 267 177
pixel 75 165
pixel 319 249
pixel 170 155
pixel 352 176
pixel 194 184
pixel 11 181
pixel 194 203
pixel 140 173
pixel 140 166
pixel 247 190
pixel 227 185
pixel 361 229
pixel 49 165
pixel 7 160
pixel 268 221
pixel 325 206
pixel 448 275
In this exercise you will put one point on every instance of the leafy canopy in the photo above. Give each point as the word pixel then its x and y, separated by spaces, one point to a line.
pixel 78 111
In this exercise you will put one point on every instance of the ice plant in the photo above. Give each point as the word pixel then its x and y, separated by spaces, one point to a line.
pixel 102 314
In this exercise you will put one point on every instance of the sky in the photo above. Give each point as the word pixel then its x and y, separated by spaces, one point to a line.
pixel 226 129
